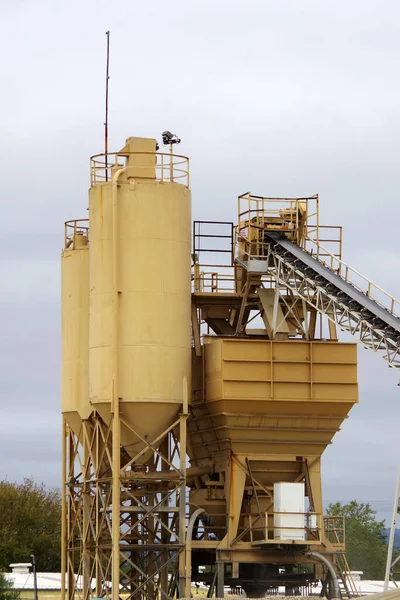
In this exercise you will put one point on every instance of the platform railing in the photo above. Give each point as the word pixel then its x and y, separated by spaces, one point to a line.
pixel 334 528
pixel 354 277
pixel 172 168
pixel 213 281
pixel 73 228
pixel 293 216
pixel 259 525
pixel 330 240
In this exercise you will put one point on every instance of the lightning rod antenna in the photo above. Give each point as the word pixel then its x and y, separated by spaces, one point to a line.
pixel 106 120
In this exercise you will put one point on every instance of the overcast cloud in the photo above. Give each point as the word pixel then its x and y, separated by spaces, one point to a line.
pixel 277 97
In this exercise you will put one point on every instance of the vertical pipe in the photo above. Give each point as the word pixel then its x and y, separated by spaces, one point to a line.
pixel 325 561
pixel 116 460
pixel 98 474
pixel 171 169
pixel 115 290
pixel 392 532
pixel 106 119
pixel 115 499
pixel 63 507
pixel 165 452
pixel 70 531
pixel 85 516
pixel 188 550
pixel 182 490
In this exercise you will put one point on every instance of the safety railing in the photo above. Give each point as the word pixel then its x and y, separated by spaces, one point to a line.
pixel 328 243
pixel 354 277
pixel 277 527
pixel 334 528
pixel 295 217
pixel 214 282
pixel 74 230
pixel 247 249
pixel 297 526
pixel 263 526
pixel 213 243
pixel 167 167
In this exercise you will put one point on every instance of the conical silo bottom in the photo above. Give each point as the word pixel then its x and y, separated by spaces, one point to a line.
pixel 142 423
pixel 74 421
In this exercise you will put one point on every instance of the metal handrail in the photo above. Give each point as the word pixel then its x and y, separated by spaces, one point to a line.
pixel 348 273
pixel 73 228
pixel 211 281
pixel 172 168
pixel 260 209
pixel 334 528
pixel 342 562
pixel 335 264
pixel 321 229
pixel 311 533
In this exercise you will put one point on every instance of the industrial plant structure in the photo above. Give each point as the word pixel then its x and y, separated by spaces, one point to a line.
pixel 202 381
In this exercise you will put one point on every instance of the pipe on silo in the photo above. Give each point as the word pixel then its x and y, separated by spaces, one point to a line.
pixel 115 395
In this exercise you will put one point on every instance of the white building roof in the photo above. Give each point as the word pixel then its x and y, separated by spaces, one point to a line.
pixel 374 587
pixel 45 581
pixel 52 581
pixel 367 587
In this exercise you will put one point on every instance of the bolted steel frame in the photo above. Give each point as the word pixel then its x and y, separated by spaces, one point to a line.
pixel 119 516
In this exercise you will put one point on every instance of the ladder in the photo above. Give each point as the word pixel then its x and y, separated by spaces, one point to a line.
pixel 347 585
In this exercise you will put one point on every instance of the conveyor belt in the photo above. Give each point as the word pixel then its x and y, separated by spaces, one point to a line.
pixel 326 277
pixel 330 294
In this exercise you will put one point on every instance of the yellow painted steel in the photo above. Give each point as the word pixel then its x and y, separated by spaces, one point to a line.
pixel 272 397
pixel 75 330
pixel 140 336
pixel 277 404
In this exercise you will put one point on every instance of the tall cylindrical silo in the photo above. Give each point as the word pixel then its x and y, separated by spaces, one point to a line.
pixel 75 324
pixel 140 338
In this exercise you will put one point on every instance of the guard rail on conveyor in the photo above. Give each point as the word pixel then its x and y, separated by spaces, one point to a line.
pixel 376 327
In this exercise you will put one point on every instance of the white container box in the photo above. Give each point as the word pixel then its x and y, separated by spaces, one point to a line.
pixel 289 498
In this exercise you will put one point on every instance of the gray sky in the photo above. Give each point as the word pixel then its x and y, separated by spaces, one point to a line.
pixel 280 98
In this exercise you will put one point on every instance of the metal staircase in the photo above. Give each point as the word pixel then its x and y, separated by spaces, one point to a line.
pixel 347 586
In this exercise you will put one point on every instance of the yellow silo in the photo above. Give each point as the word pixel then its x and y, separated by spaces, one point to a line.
pixel 75 324
pixel 140 327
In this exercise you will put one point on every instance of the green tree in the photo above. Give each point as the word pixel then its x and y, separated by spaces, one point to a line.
pixel 366 546
pixel 7 591
pixel 30 523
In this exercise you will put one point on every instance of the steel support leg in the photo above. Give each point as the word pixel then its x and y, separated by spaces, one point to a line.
pixel 220 579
